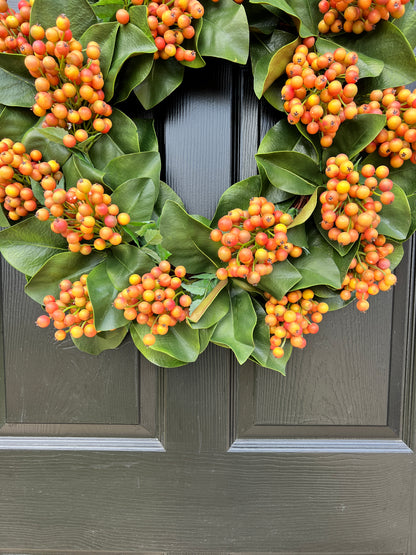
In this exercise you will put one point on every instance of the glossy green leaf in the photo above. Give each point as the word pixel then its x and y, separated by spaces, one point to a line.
pixel 340 249
pixel 165 194
pixel 403 176
pixel 411 199
pixel 102 294
pixel 235 329
pixel 14 122
pixel 237 196
pixel 298 236
pixel 283 137
pixel 396 256
pixel 132 166
pixel 124 132
pixel 215 312
pixel 133 72
pixel 384 43
pixel 181 342
pixel 273 95
pixel 269 56
pixel 28 244
pixel 304 12
pixel 156 357
pixel 147 135
pixel 291 171
pixel 16 85
pixel 35 139
pixel 188 240
pixel 307 210
pixel 79 12
pixel 354 135
pixel 105 35
pixel 75 168
pixel 407 24
pixel 103 150
pixel 396 217
pixel 225 32
pixel 124 260
pixel 262 353
pixel 137 197
pixel 106 10
pixel 65 265
pixel 101 342
pixel 282 279
pixel 132 40
pixel 164 77
pixel 330 297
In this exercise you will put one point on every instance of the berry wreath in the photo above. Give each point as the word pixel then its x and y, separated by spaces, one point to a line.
pixel 102 240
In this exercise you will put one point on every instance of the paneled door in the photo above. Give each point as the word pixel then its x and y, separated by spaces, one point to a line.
pixel 110 454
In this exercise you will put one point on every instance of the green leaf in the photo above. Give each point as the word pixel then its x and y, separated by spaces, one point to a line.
pixel 384 43
pixel 79 12
pixel 407 24
pixel 412 203
pixel 14 122
pixel 101 342
pixel 35 139
pixel 105 35
pixel 133 72
pixel 237 196
pixel 132 166
pixel 16 84
pixel 188 240
pixel 307 210
pixel 282 279
pixel 235 329
pixel 164 77
pixel 403 176
pixel 396 256
pixel 102 294
pixel 262 353
pixel 156 357
pixel 283 137
pixel 269 57
pixel 305 13
pixel 291 171
pixel 28 244
pixel 192 44
pixel 215 312
pixel 298 236
pixel 124 133
pixel 225 32
pixel 136 197
pixel 131 40
pixel 65 265
pixel 147 134
pixel 165 193
pixel 103 150
pixel 106 10
pixel 75 168
pixel 125 260
pixel 181 341
pixel 273 95
pixel 340 249
pixel 355 134
pixel 396 217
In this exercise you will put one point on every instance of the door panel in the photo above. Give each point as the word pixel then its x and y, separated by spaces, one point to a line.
pixel 109 454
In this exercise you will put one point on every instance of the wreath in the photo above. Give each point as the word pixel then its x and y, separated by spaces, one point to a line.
pixel 107 248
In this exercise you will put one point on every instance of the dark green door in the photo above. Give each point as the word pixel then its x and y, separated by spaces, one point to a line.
pixel 113 455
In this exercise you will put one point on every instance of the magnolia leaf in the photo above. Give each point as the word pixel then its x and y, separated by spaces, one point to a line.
pixel 103 150
pixel 133 72
pixel 165 194
pixel 354 135
pixel 396 217
pixel 283 137
pixel 407 24
pixel 282 279
pixel 164 77
pixel 237 196
pixel 192 44
pixel 123 132
pixel 105 35
pixel 28 244
pixel 101 342
pixel 79 13
pixel 35 139
pixel 102 294
pixel 262 353
pixel 396 256
pixel 14 122
pixel 307 211
pixel 269 57
pixel 188 240
pixel 273 94
pixel 225 32
pixel 147 135
pixel 304 12
pixel 65 265
pixel 132 166
pixel 291 171
pixel 235 329
pixel 214 307
pixel 16 84
pixel 136 197
pixel 125 260
pixel 156 357
pixel 75 168
pixel 411 199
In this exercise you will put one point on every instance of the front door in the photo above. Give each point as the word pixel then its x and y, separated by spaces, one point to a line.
pixel 110 454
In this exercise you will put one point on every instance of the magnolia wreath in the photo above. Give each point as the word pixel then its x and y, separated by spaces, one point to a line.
pixel 107 248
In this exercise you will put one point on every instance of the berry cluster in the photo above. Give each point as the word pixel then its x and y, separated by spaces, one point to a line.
pixel 14 27
pixel 369 272
pixel 320 89
pixel 156 299
pixel 291 318
pixel 84 213
pixel 348 209
pixel 397 141
pixel 17 168
pixel 357 16
pixel 170 26
pixel 253 240
pixel 72 312
pixel 70 90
